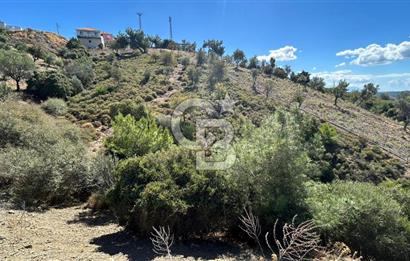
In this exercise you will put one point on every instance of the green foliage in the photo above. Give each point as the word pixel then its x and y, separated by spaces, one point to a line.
pixel 328 134
pixel 369 90
pixel 217 72
pixel 49 84
pixel 253 63
pixel 318 84
pixel 45 159
pixel 37 51
pixel 340 90
pixel 193 75
pixel 280 73
pixel 128 107
pixel 214 46
pixel 137 40
pixel 271 167
pixel 302 78
pixel 165 188
pixel 74 43
pixel 364 216
pixel 74 50
pixel 167 58
pixel 16 65
pixel 82 69
pixel 404 110
pixel 238 56
pixel 200 57
pixel 55 107
pixel 52 59
pixel 5 91
pixel 133 137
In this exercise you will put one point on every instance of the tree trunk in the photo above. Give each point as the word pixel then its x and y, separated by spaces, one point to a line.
pixel 18 85
pixel 335 101
pixel 406 124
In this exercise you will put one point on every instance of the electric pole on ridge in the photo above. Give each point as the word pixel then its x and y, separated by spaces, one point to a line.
pixel 139 20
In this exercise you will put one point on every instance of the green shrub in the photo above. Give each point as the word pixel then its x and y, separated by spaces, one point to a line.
pixel 49 84
pixel 168 58
pixel 45 159
pixel 5 91
pixel 164 188
pixel 271 167
pixel 55 107
pixel 83 69
pixel 364 216
pixel 133 137
pixel 128 107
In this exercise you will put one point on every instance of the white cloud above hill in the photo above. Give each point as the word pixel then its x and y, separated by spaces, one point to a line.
pixel 375 54
pixel 286 53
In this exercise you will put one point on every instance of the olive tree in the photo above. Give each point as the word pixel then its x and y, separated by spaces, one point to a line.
pixel 340 90
pixel 16 65
pixel 238 57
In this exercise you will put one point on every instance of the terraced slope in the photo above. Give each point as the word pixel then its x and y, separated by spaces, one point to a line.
pixel 378 130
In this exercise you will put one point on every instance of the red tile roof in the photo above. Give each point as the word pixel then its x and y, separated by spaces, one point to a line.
pixel 87 29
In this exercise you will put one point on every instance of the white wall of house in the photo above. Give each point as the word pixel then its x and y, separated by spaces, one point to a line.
pixel 90 39
pixel 92 42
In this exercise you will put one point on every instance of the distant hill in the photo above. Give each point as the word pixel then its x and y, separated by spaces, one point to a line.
pixel 393 94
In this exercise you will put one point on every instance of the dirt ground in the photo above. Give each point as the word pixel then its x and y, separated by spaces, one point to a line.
pixel 76 233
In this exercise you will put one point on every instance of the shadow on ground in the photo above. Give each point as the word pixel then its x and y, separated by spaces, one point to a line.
pixel 93 218
pixel 141 249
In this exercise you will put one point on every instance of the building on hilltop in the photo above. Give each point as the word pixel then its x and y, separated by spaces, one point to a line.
pixel 8 27
pixel 107 37
pixel 90 37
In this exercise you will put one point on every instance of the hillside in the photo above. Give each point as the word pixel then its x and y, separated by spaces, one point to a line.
pixel 166 89
pixel 92 167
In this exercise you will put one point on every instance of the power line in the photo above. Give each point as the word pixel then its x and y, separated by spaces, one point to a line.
pixel 139 20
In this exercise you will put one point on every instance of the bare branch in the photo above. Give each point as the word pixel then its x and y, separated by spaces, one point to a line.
pixel 297 241
pixel 250 225
pixel 162 240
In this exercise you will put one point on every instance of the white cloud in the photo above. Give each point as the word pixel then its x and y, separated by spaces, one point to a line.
pixel 314 69
pixel 286 53
pixel 340 65
pixel 375 54
pixel 391 81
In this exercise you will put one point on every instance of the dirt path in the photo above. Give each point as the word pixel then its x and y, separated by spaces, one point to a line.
pixel 175 83
pixel 76 234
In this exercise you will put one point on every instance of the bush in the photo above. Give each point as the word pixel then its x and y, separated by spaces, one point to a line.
pixel 271 167
pixel 49 84
pixel 164 188
pixel 45 159
pixel 128 107
pixel 133 137
pixel 5 91
pixel 55 107
pixel 364 216
pixel 82 69
pixel 168 58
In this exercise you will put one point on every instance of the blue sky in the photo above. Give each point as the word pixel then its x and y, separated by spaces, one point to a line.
pixel 360 41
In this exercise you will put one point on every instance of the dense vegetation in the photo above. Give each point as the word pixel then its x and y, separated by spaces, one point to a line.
pixel 287 163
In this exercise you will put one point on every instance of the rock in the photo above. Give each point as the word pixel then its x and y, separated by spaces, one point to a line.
pixel 11 212
pixel 97 124
pixel 28 246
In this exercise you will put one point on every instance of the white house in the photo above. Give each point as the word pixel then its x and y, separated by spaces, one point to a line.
pixel 90 37
pixel 8 27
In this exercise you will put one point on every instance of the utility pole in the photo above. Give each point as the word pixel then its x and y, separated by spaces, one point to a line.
pixel 139 20
pixel 170 27
pixel 58 28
